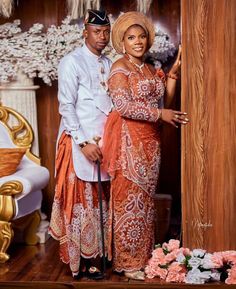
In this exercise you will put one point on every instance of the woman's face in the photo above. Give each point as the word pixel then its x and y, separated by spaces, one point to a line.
pixel 135 41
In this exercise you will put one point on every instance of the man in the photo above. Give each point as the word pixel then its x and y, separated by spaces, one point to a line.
pixel 84 106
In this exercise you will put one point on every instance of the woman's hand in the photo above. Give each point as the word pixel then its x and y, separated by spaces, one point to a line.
pixel 176 66
pixel 92 152
pixel 174 117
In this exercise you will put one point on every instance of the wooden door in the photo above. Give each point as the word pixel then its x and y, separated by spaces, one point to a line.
pixel 209 142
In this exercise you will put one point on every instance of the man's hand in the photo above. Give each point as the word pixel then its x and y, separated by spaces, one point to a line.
pixel 92 152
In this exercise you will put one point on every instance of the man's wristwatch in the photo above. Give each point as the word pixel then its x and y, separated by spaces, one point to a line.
pixel 83 144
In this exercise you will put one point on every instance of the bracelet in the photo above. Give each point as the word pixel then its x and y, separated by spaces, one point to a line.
pixel 172 75
pixel 159 113
pixel 83 144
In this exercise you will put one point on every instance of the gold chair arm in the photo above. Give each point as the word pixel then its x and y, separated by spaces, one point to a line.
pixel 7 204
pixel 21 132
pixel 7 208
pixel 11 188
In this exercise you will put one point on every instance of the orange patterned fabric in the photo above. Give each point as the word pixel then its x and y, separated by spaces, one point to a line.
pixel 132 157
pixel 10 160
pixel 75 219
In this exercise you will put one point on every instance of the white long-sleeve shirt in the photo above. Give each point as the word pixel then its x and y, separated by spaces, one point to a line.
pixel 83 104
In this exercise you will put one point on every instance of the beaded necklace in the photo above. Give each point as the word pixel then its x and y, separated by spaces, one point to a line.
pixel 139 68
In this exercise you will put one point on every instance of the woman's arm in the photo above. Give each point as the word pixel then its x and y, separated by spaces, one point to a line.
pixel 173 117
pixel 171 80
pixel 121 95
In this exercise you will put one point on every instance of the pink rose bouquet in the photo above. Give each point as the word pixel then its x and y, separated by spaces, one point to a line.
pixel 176 264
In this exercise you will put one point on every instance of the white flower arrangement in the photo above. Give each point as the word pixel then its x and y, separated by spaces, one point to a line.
pixel 37 53
pixel 161 49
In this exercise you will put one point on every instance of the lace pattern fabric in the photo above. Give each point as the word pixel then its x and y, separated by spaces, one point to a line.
pixel 133 225
pixel 75 219
pixel 132 157
pixel 134 97
pixel 140 162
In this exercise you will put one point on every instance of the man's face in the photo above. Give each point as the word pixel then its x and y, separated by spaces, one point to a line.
pixel 97 37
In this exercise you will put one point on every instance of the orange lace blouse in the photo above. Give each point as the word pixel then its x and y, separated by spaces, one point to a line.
pixel 136 96
pixel 131 139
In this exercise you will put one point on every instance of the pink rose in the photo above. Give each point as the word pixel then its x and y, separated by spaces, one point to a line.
pixel 162 273
pixel 171 256
pixel 184 251
pixel 231 276
pixel 158 253
pixel 158 256
pixel 176 273
pixel 171 245
pixel 217 259
pixel 155 271
pixel 149 271
pixel 229 257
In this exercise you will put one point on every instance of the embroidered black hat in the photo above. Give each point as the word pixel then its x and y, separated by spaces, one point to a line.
pixel 96 17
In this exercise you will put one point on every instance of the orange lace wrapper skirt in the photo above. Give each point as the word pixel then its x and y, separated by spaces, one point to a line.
pixel 75 219
pixel 132 157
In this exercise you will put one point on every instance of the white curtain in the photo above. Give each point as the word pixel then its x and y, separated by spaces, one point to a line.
pixel 77 8
pixel 6 7
pixel 143 5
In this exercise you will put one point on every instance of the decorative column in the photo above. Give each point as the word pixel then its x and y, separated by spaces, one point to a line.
pixel 20 95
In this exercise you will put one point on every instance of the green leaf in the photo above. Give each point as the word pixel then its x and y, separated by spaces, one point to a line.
pixel 157 246
pixel 165 251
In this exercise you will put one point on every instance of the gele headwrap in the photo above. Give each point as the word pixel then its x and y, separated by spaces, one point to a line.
pixel 126 20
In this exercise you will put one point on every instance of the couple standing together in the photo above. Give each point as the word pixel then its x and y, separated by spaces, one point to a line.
pixel 121 104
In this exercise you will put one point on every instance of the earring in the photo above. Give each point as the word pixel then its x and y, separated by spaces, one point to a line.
pixel 123 49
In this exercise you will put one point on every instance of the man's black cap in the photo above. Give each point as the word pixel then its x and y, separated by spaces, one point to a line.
pixel 96 17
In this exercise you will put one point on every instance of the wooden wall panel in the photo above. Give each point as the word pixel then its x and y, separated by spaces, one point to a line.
pixel 209 141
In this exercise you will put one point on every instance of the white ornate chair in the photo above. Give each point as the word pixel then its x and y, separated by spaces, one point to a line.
pixel 21 192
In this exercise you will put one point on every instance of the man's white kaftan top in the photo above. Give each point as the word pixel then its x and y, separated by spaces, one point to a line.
pixel 83 104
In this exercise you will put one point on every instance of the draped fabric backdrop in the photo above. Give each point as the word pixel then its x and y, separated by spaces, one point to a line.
pixel 77 8
pixel 6 7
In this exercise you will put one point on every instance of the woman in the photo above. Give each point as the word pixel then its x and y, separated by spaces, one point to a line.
pixel 132 143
